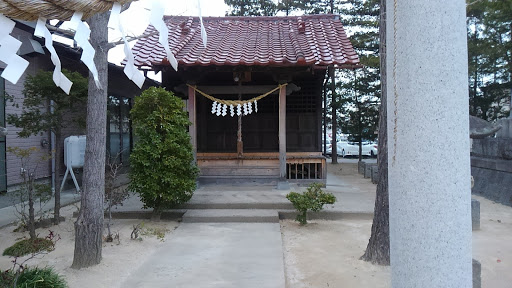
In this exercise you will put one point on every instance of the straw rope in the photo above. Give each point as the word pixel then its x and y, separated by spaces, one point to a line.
pixel 237 102
pixel 30 10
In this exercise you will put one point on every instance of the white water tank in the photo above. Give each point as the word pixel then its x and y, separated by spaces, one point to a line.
pixel 74 151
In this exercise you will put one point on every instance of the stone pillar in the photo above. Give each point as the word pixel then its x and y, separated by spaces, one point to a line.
pixel 191 107
pixel 428 142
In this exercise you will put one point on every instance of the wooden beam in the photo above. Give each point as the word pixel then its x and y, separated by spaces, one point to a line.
pixel 282 134
pixel 191 107
pixel 236 90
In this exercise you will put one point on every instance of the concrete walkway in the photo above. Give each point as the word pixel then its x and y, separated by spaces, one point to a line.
pixel 223 255
pixel 202 252
pixel 9 214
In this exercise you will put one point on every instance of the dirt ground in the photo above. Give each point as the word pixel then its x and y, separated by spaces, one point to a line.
pixel 320 254
pixel 119 258
pixel 326 254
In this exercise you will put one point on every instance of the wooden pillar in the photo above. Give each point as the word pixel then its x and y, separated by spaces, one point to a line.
pixel 239 141
pixel 283 184
pixel 191 107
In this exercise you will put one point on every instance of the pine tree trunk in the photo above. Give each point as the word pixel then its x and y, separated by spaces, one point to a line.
pixel 377 250
pixel 89 225
pixel 58 165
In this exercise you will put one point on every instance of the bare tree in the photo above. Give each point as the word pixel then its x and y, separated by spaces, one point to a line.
pixel 377 250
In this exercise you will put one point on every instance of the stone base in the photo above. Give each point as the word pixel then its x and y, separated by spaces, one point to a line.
pixel 477 274
pixel 475 214
pixel 375 174
pixel 493 184
pixel 506 128
pixel 360 167
pixel 368 169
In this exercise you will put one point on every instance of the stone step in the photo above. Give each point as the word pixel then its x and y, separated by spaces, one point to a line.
pixel 231 216
pixel 276 205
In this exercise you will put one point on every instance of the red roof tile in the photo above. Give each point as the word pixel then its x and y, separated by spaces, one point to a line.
pixel 315 40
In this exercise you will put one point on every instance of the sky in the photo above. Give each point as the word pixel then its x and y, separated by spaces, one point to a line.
pixel 136 18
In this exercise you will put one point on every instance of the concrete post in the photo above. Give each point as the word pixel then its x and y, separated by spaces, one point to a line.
pixel 428 142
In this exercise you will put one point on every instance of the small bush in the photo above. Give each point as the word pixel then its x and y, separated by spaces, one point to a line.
pixel 313 199
pixel 29 246
pixel 40 278
pixel 7 278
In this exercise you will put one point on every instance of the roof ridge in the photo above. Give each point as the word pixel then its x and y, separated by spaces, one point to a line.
pixel 256 18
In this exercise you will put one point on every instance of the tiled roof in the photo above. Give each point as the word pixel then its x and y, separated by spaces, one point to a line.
pixel 315 40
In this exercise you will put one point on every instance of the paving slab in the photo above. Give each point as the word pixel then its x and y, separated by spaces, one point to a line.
pixel 223 255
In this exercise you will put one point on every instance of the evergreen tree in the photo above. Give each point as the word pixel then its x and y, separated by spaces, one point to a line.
pixel 360 89
pixel 162 163
pixel 490 58
pixel 40 91
pixel 251 7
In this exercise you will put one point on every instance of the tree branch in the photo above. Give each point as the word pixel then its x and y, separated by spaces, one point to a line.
pixel 130 38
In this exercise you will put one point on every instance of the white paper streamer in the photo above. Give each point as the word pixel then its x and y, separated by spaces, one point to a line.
pixel 130 69
pixel 249 107
pixel 157 20
pixel 9 45
pixel 203 30
pixel 219 109
pixel 232 110
pixel 214 107
pixel 238 109
pixel 224 110
pixel 82 39
pixel 60 79
pixel 245 109
pixel 256 106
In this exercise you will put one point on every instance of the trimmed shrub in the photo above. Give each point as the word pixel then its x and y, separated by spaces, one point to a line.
pixel 313 199
pixel 162 171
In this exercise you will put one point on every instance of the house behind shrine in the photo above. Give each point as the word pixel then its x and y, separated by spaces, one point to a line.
pixel 238 131
pixel 121 91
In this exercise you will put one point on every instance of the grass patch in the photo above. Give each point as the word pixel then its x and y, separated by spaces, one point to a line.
pixel 29 246
pixel 34 277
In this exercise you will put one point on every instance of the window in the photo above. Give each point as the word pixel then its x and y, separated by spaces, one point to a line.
pixel 119 129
